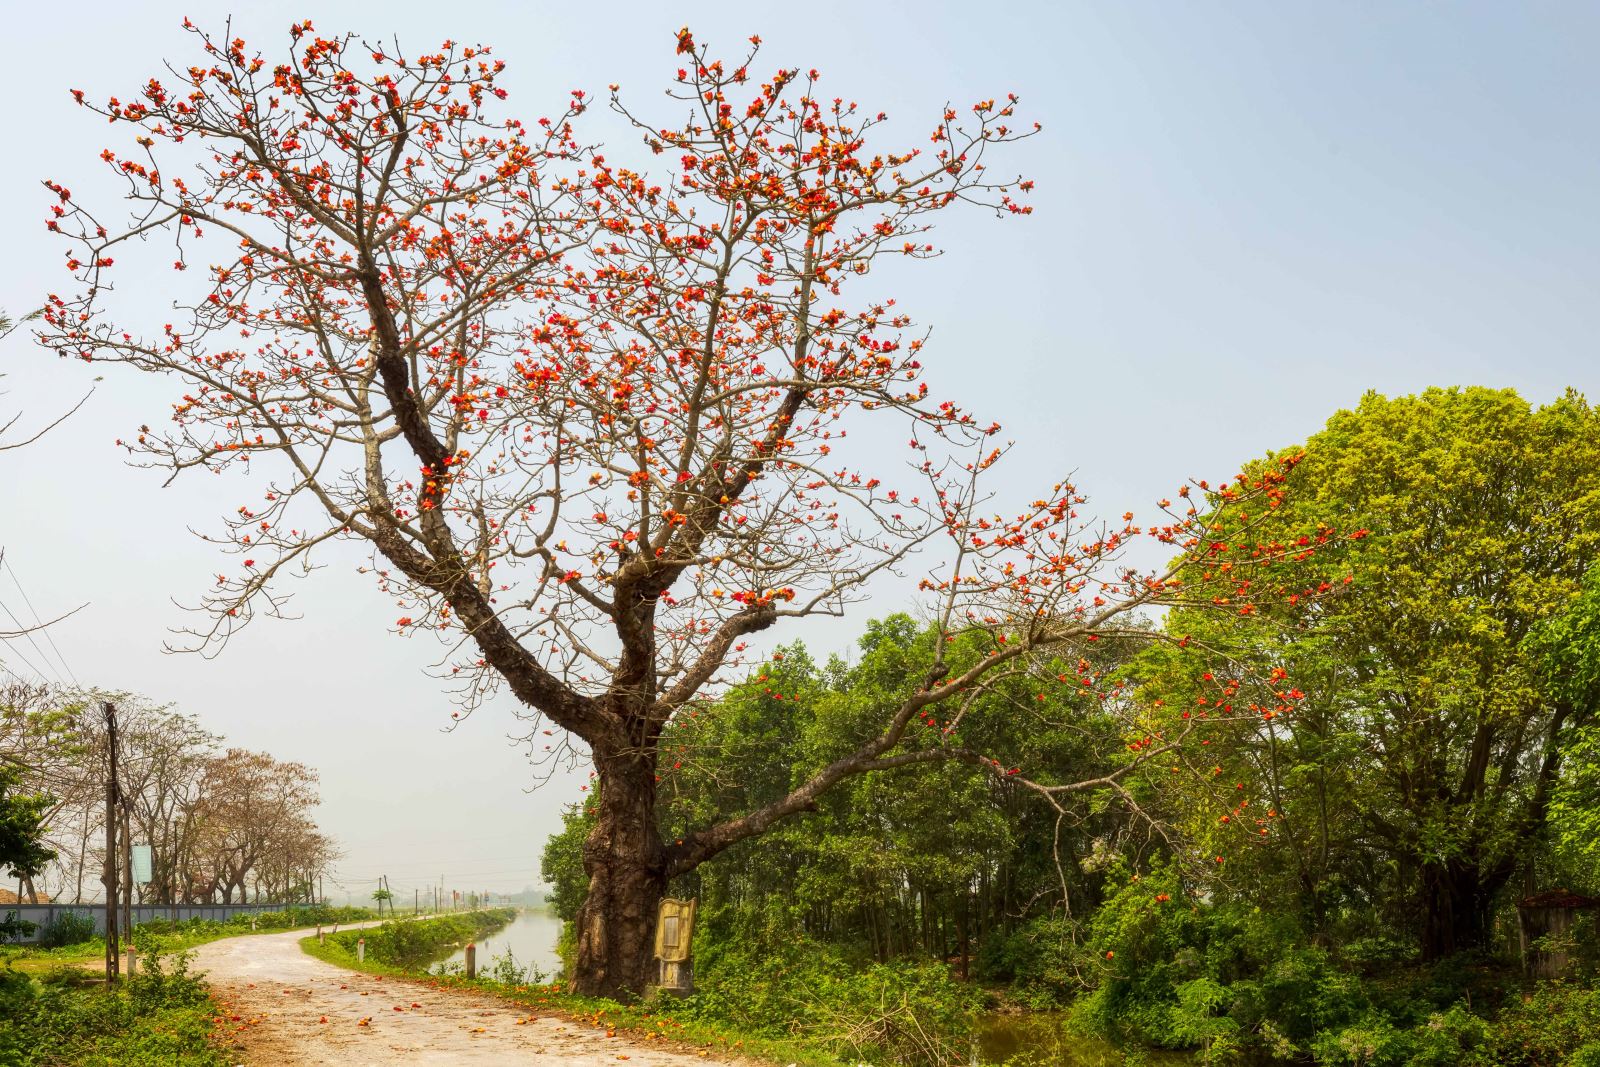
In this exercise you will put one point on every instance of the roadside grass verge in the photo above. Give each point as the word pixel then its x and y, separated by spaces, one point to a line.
pixel 162 1017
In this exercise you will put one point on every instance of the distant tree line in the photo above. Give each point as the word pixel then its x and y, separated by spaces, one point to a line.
pixel 224 824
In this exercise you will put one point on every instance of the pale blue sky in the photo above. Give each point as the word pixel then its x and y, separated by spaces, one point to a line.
pixel 1247 214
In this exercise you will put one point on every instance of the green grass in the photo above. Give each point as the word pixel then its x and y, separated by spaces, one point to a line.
pixel 166 937
pixel 651 1022
pixel 31 960
pixel 163 1017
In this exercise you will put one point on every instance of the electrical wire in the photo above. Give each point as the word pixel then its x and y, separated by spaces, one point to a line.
pixel 5 562
pixel 15 652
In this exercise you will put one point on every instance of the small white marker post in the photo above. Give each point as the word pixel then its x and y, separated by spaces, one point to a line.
pixel 361 950
pixel 320 939
pixel 133 961
pixel 472 960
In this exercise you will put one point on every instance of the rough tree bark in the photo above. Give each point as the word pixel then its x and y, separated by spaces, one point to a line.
pixel 627 868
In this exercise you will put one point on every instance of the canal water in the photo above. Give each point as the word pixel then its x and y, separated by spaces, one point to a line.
pixel 530 938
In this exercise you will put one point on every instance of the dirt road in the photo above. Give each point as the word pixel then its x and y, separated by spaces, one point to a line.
pixel 284 1007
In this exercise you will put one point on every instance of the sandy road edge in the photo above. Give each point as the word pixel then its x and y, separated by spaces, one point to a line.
pixel 281 1005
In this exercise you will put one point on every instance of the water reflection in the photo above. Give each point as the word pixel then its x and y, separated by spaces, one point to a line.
pixel 530 938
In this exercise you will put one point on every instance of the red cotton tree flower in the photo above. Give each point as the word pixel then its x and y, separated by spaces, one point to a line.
pixel 590 422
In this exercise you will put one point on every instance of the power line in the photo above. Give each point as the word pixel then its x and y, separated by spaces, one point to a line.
pixel 449 872
pixel 5 562
pixel 24 633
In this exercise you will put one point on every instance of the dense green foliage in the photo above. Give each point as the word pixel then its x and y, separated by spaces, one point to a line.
pixel 1364 774
pixel 23 851
pixel 851 929
pixel 1414 782
pixel 68 928
pixel 161 1017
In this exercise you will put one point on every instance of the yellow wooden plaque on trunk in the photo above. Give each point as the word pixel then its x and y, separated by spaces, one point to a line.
pixel 674 928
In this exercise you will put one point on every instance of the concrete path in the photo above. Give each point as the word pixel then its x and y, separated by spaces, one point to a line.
pixel 283 1007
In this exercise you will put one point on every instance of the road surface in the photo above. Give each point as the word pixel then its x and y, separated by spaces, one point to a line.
pixel 282 1007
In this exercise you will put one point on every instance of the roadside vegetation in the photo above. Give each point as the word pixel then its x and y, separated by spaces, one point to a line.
pixel 161 1017
pixel 1321 862
pixel 408 945
pixel 71 939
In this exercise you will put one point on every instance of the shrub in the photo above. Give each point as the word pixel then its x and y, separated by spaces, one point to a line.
pixel 14 926
pixel 410 943
pixel 903 1012
pixel 1036 958
pixel 1549 1025
pixel 1587 1056
pixel 67 928
pixel 158 1018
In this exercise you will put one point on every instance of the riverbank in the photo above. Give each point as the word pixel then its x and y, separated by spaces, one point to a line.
pixel 527 945
pixel 407 945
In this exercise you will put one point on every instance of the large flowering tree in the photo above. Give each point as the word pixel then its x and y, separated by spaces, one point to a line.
pixel 592 422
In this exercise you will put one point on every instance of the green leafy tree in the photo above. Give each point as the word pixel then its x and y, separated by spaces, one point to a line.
pixel 22 827
pixel 1416 776
pixel 1566 648
pixel 944 860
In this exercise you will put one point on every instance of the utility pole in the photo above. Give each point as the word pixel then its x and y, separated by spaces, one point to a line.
pixel 110 878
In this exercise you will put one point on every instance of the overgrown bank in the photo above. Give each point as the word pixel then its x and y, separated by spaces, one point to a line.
pixel 407 945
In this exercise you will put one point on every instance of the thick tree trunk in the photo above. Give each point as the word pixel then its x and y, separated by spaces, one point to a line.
pixel 1455 909
pixel 626 864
